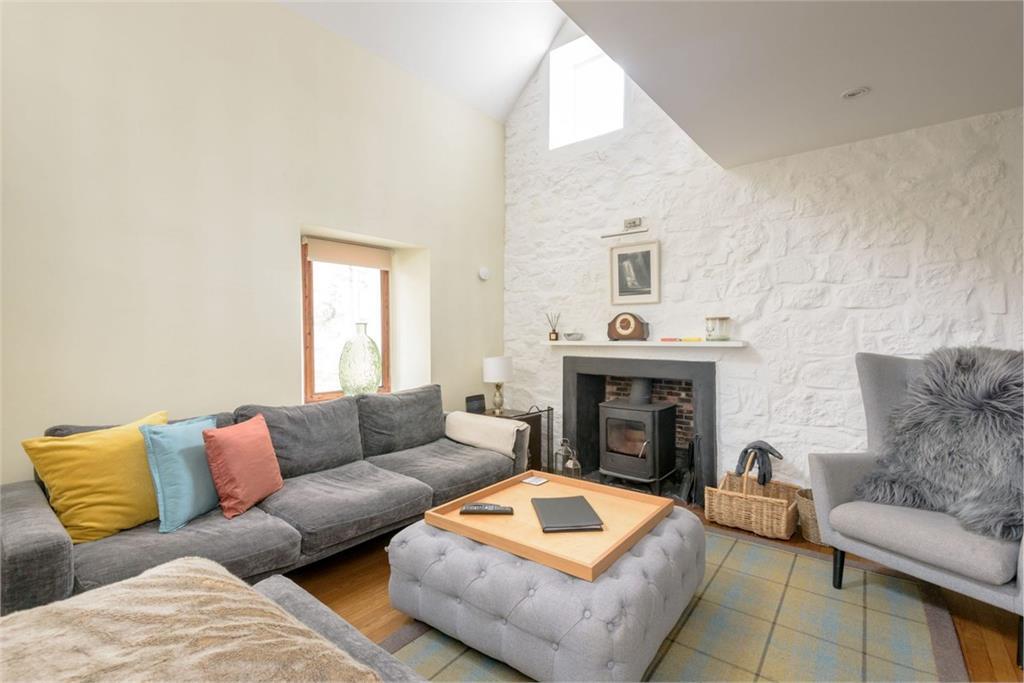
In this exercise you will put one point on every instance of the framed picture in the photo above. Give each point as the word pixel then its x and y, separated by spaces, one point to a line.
pixel 476 404
pixel 636 273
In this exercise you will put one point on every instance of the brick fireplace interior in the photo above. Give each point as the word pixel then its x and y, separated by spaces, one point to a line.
pixel 677 391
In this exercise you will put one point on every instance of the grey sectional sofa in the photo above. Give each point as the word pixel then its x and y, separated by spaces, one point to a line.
pixel 353 468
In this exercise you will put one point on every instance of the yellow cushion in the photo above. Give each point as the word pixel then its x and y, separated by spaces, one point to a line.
pixel 99 482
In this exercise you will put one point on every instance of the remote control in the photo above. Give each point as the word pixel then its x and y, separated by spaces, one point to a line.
pixel 485 509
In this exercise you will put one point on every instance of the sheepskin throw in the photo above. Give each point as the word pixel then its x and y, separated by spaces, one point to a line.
pixel 956 443
pixel 187 620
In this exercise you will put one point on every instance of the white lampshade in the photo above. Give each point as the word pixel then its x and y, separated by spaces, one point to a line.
pixel 497 369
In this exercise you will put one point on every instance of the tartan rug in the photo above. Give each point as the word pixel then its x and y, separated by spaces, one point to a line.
pixel 764 612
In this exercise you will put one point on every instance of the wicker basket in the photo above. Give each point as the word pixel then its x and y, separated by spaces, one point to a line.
pixel 808 517
pixel 739 501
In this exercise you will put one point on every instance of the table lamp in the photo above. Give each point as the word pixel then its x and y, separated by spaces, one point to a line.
pixel 498 370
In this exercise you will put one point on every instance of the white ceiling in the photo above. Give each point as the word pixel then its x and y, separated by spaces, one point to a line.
pixel 756 80
pixel 481 53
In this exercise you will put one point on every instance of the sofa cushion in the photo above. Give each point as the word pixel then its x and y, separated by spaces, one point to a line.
pixel 333 506
pixel 98 482
pixel 933 538
pixel 181 474
pixel 311 437
pixel 252 544
pixel 242 464
pixel 451 469
pixel 404 419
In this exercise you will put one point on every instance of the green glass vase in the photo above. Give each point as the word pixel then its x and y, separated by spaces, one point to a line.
pixel 359 368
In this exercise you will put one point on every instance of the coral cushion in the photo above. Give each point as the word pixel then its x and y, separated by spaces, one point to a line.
pixel 243 464
pixel 99 481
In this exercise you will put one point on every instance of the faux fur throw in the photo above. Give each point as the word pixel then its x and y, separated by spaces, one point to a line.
pixel 187 620
pixel 956 444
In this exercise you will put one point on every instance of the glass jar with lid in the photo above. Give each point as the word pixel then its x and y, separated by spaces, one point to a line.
pixel 717 327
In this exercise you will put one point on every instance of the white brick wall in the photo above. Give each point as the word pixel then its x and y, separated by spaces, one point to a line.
pixel 897 245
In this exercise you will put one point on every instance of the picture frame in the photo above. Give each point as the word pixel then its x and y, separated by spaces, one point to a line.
pixel 476 404
pixel 635 273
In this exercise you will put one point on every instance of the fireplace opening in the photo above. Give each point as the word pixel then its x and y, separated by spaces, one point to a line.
pixel 610 408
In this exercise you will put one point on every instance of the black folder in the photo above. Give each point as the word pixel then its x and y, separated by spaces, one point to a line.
pixel 566 514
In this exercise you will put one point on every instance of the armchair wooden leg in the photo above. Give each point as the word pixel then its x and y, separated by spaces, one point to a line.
pixel 838 561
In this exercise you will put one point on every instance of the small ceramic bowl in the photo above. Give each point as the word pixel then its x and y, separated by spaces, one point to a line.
pixel 574 336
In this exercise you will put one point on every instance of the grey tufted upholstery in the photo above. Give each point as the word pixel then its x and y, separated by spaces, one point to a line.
pixel 547 624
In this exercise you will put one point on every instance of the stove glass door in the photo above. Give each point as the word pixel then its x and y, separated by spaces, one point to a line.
pixel 626 437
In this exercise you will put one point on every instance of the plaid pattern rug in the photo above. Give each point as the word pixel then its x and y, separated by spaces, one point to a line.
pixel 766 612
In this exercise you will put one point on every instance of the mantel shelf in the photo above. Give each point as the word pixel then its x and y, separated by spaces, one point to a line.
pixel 732 344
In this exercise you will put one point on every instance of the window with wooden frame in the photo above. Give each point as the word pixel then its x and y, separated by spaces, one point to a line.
pixel 342 285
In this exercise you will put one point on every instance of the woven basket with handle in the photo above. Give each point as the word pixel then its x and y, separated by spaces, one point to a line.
pixel 739 501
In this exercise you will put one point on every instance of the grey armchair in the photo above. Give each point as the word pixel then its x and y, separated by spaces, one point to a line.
pixel 931 546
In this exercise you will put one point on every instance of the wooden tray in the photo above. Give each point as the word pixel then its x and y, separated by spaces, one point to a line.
pixel 627 517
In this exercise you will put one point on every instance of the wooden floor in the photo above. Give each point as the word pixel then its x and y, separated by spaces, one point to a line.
pixel 355 585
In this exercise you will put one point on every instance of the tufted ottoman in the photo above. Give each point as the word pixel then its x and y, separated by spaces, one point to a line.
pixel 546 624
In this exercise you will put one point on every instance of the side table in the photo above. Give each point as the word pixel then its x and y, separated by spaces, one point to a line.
pixel 541 439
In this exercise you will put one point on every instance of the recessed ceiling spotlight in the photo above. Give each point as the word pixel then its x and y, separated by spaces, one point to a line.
pixel 854 93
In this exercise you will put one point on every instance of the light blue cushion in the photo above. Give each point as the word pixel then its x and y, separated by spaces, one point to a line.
pixel 181 475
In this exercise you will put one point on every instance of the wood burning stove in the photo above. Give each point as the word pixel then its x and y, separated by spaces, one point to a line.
pixel 638 437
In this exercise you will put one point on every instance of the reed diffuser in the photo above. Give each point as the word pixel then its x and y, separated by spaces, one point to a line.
pixel 553 319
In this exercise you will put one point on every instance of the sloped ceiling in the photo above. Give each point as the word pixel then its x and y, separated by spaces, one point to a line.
pixel 750 81
pixel 481 53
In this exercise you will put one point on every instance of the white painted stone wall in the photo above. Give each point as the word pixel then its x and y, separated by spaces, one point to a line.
pixel 898 244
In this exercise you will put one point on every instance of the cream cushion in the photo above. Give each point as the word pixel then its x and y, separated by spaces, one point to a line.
pixel 491 433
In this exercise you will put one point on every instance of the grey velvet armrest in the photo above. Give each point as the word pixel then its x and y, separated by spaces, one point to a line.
pixel 344 635
pixel 35 550
pixel 522 450
pixel 834 476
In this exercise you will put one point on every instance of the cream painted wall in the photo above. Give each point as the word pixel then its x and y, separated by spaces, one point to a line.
pixel 159 162
pixel 410 314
